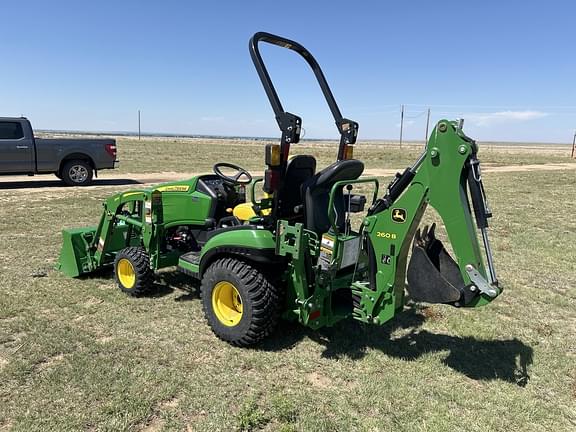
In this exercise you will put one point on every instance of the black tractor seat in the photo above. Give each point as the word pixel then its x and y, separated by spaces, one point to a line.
pixel 316 193
pixel 300 169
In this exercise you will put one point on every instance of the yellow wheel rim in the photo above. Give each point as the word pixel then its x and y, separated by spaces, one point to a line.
pixel 227 303
pixel 126 273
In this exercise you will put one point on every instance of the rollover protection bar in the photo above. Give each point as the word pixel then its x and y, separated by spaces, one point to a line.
pixel 290 124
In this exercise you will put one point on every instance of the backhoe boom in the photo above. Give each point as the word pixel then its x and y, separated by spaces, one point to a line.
pixel 440 178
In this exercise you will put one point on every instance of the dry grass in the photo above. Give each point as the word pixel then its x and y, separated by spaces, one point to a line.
pixel 198 155
pixel 80 355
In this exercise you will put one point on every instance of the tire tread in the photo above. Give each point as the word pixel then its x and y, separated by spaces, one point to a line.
pixel 141 263
pixel 264 296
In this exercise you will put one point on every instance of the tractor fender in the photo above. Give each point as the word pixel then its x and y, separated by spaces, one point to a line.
pixel 255 245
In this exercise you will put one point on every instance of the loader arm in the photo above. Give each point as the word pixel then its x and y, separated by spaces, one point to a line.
pixel 440 178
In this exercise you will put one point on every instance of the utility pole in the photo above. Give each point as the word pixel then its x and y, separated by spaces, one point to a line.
pixel 401 123
pixel 138 125
pixel 427 126
pixel 573 145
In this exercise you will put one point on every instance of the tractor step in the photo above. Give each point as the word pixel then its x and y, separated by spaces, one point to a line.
pixel 191 257
pixel 433 276
pixel 189 263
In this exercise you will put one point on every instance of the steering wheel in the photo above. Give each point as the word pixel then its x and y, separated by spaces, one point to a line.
pixel 237 177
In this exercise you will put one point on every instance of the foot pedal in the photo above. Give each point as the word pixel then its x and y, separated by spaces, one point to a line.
pixel 433 276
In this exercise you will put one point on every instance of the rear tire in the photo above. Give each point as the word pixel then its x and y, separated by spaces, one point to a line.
pixel 240 303
pixel 132 271
pixel 77 173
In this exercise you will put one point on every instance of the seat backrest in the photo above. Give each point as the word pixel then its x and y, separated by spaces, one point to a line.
pixel 299 169
pixel 317 195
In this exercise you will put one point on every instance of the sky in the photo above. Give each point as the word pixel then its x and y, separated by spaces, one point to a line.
pixel 507 67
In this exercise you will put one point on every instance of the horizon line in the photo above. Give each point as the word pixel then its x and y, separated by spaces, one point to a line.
pixel 254 138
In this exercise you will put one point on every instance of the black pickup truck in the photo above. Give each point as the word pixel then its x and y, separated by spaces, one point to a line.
pixel 75 161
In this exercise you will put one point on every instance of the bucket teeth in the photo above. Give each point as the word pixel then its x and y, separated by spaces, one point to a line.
pixel 425 234
pixel 426 238
pixel 432 232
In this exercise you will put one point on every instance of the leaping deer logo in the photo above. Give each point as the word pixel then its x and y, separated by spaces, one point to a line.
pixel 399 215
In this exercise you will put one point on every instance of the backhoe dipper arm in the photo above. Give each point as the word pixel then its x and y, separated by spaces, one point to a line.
pixel 441 178
pixel 290 124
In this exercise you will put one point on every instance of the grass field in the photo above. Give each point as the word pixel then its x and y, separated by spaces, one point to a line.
pixel 135 156
pixel 80 355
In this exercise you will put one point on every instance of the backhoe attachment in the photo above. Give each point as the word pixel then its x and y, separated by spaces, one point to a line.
pixel 446 177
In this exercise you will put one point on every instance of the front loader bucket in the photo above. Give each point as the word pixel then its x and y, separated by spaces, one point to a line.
pixel 433 276
pixel 76 255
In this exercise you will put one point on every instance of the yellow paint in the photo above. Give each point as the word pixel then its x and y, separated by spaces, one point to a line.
pixel 174 188
pixel 227 303
pixel 386 235
pixel 126 274
pixel 245 211
pixel 127 194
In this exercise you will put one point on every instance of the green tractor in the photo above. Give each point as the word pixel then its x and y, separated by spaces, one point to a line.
pixel 294 252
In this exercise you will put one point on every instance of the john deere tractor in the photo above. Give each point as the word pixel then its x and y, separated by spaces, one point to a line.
pixel 294 252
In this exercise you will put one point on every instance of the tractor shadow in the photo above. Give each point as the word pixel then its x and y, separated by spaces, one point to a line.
pixel 164 284
pixel 169 282
pixel 478 359
pixel 38 184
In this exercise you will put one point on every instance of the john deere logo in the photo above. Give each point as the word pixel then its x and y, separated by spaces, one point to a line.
pixel 399 215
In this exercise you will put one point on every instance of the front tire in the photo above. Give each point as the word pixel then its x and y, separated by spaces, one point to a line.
pixel 77 173
pixel 240 303
pixel 132 271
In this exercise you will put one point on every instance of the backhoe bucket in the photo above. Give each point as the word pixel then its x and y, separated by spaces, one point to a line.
pixel 433 276
pixel 76 255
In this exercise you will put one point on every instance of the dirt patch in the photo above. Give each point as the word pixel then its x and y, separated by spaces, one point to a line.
pixel 155 424
pixel 319 381
pixel 6 426
pixel 20 185
pixel 3 362
pixel 92 301
pixel 49 362
pixel 431 313
pixel 105 339
pixel 169 404
pixel 531 167
pixel 490 169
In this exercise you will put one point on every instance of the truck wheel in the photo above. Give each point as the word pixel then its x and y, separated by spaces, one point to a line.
pixel 240 303
pixel 132 271
pixel 77 173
